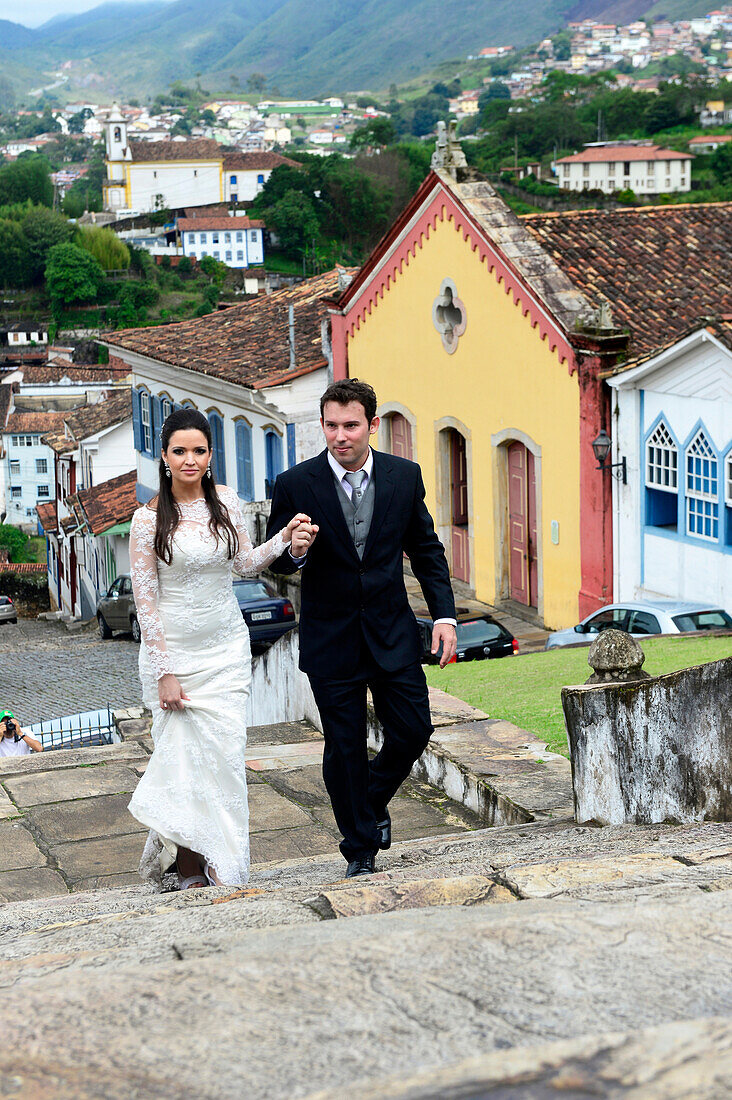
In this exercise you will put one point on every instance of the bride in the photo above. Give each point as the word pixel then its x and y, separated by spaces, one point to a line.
pixel 195 661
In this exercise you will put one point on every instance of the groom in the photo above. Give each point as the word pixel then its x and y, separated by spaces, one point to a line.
pixel 357 630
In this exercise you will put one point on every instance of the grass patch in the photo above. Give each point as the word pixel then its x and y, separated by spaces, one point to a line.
pixel 526 690
pixel 36 548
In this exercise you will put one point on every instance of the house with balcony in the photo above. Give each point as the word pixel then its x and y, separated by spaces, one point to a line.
pixel 642 167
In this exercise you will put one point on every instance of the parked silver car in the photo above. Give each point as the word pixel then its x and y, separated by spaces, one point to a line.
pixel 116 610
pixel 641 619
pixel 8 611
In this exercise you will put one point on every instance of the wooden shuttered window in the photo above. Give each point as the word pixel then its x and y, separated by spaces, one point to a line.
pixel 218 461
pixel 244 463
pixel 136 421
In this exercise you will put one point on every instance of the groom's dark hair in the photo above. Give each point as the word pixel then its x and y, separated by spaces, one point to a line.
pixel 350 389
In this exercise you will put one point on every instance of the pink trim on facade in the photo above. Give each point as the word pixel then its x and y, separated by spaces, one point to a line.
pixel 443 207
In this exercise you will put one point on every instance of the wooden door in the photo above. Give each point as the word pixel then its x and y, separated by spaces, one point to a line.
pixel 401 436
pixel 459 507
pixel 72 574
pixel 522 534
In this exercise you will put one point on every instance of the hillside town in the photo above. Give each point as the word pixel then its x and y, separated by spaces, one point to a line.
pixel 366 562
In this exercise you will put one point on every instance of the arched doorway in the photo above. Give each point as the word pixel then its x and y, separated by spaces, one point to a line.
pixel 522 527
pixel 458 504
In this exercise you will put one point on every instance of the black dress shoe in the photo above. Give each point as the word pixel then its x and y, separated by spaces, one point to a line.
pixel 363 865
pixel 384 830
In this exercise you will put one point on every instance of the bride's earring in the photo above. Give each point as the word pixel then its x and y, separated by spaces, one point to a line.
pixel 167 469
pixel 208 470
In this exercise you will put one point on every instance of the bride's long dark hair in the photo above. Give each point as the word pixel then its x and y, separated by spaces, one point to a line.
pixel 168 512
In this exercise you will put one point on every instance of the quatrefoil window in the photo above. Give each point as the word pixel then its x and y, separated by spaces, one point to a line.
pixel 449 316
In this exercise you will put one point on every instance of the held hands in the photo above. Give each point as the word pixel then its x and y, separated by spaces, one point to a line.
pixel 171 694
pixel 302 534
pixel 446 634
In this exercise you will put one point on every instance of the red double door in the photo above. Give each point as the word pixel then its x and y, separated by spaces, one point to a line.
pixel 523 565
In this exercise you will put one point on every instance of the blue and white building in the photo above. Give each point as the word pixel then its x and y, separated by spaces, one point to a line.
pixel 673 425
pixel 234 241
pixel 28 467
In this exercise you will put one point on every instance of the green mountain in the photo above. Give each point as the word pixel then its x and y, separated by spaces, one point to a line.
pixel 303 47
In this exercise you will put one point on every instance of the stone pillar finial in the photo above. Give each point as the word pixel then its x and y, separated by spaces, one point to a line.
pixel 615 657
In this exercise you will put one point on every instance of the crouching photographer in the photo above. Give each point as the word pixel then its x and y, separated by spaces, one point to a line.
pixel 13 740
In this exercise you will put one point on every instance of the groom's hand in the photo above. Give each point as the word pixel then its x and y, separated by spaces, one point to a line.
pixel 303 537
pixel 446 634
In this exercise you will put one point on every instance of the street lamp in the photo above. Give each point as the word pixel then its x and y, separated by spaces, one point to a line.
pixel 601 447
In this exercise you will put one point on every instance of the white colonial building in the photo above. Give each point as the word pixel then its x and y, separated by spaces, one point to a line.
pixel 235 241
pixel 147 175
pixel 673 519
pixel 641 167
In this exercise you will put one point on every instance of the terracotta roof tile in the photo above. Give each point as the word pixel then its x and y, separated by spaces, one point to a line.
pixel 256 162
pixel 111 502
pixel 23 567
pixel 90 419
pixel 661 268
pixel 56 369
pixel 615 153
pixel 219 223
pixel 48 516
pixel 198 149
pixel 249 343
pixel 34 421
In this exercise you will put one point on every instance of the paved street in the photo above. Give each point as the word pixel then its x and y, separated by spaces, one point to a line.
pixel 48 672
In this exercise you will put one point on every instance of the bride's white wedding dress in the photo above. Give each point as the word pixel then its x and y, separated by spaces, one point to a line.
pixel 194 792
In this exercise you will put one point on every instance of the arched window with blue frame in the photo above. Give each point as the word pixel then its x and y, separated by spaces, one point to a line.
pixel 702 488
pixel 218 462
pixel 244 463
pixel 662 478
pixel 272 460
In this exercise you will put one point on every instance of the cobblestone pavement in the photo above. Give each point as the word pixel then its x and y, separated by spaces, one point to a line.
pixel 47 671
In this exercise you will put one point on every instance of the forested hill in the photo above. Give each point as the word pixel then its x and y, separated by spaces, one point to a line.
pixel 303 47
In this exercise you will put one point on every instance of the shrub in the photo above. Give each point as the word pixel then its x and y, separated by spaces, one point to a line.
pixel 110 252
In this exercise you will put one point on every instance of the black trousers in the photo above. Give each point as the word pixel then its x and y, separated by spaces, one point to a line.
pixel 359 789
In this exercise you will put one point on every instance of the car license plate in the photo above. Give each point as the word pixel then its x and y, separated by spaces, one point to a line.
pixel 259 616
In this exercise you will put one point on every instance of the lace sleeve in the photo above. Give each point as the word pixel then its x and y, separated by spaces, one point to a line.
pixel 252 559
pixel 144 574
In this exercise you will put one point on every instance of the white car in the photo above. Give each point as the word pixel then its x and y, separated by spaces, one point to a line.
pixel 641 619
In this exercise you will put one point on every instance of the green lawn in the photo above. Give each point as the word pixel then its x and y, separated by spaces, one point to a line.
pixel 526 690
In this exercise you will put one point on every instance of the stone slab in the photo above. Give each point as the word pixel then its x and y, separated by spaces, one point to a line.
pixel 61 759
pixel 268 810
pixel 357 901
pixel 84 819
pixel 283 733
pixel 7 808
pixel 340 1004
pixel 291 844
pixel 689 1061
pixel 71 783
pixel 108 882
pixel 87 859
pixel 18 848
pixel 36 882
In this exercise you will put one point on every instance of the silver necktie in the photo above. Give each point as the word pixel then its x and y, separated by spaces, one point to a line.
pixel 356 480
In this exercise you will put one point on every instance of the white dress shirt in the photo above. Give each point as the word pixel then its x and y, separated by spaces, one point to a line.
pixel 339 473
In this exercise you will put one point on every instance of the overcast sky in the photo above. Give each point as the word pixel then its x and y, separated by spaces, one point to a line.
pixel 34 12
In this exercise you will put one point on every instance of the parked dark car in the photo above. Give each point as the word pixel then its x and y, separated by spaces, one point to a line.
pixel 479 638
pixel 267 615
pixel 116 610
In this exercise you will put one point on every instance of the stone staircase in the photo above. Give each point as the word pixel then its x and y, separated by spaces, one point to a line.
pixel 530 960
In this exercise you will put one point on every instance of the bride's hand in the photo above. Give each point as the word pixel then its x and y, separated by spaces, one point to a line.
pixel 302 536
pixel 170 693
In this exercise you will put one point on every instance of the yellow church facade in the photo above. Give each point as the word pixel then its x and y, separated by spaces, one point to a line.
pixel 462 324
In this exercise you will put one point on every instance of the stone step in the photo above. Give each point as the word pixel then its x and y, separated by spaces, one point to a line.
pixel 336 1005
pixel 131 926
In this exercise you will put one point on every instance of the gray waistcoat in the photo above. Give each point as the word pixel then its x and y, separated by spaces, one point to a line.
pixel 358 520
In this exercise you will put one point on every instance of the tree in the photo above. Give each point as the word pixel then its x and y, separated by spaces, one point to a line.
pixel 7 94
pixel 495 90
pixel 562 44
pixel 256 82
pixel 215 270
pixel 14 269
pixel 721 163
pixel 27 178
pixel 108 250
pixel 43 228
pixel 16 543
pixel 294 220
pixel 72 275
pixel 377 131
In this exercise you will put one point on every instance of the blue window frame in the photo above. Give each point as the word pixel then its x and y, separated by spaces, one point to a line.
pixel 702 489
pixel 291 445
pixel 218 463
pixel 662 478
pixel 244 464
pixel 142 423
pixel 273 460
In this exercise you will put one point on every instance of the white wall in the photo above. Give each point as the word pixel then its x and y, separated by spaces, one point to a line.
pixel 667 176
pixel 240 253
pixel 688 384
pixel 247 183
pixel 181 183
pixel 299 401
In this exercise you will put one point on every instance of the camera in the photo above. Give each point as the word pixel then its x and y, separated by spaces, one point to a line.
pixel 12 727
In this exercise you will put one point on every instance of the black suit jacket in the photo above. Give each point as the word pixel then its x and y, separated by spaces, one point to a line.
pixel 346 601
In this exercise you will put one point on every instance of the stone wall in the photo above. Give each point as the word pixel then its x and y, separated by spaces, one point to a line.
pixel 280 692
pixel 653 750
